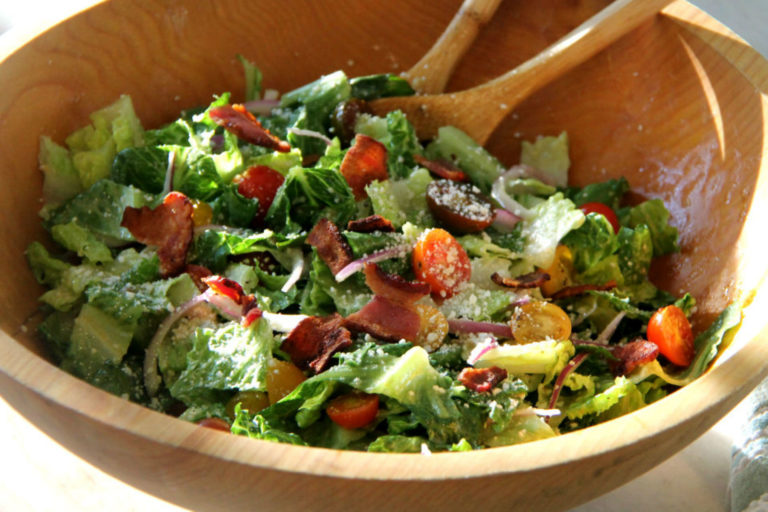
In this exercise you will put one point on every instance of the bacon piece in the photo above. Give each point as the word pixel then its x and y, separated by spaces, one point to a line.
pixel 580 289
pixel 331 246
pixel 442 168
pixel 312 343
pixel 169 227
pixel 482 379
pixel 237 120
pixel 633 354
pixel 370 224
pixel 198 273
pixel 392 286
pixel 364 163
pixel 531 280
pixel 386 320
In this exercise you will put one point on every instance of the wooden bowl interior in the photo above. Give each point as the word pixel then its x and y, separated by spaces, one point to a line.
pixel 677 107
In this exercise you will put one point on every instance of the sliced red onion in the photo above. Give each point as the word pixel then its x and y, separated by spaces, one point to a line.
pixel 481 349
pixel 152 378
pixel 169 172
pixel 217 142
pixel 504 220
pixel 570 367
pixel 297 267
pixel 311 133
pixel 261 107
pixel 521 301
pixel 604 336
pixel 499 193
pixel 375 257
pixel 225 305
pixel 281 322
pixel 470 326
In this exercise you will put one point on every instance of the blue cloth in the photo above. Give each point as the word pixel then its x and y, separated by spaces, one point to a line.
pixel 749 457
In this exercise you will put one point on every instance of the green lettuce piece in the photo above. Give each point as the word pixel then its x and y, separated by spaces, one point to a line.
pixel 453 144
pixel 550 221
pixel 480 304
pixel 256 427
pixel 607 192
pixel 542 357
pixel 47 269
pixel 523 429
pixel 113 129
pixel 550 156
pixel 385 202
pixel 142 167
pixel 100 210
pixel 252 79
pixel 602 401
pixel 233 209
pixel 383 85
pixel 592 242
pixel 74 280
pixel 635 252
pixel 306 196
pixel 61 180
pixel 231 357
pixel 98 338
pixel 324 295
pixel 73 237
pixel 212 247
pixel 397 444
pixel 653 214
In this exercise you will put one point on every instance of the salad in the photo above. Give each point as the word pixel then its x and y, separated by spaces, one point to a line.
pixel 295 269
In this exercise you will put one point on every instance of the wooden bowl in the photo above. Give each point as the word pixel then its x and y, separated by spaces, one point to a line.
pixel 678 107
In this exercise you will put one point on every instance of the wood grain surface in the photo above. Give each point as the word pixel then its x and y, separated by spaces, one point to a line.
pixel 678 106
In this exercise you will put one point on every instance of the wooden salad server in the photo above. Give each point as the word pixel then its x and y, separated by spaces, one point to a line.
pixel 479 110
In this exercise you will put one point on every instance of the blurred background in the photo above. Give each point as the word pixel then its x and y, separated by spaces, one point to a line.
pixel 39 474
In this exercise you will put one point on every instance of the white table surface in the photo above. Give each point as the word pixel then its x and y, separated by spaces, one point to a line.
pixel 38 474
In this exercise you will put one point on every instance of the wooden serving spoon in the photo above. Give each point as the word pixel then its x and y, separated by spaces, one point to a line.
pixel 431 73
pixel 479 110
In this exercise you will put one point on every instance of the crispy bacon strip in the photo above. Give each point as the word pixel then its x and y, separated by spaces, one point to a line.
pixel 237 120
pixel 531 280
pixel 572 291
pixel 312 343
pixel 198 273
pixel 370 224
pixel 364 163
pixel 482 379
pixel 633 354
pixel 331 246
pixel 169 227
pixel 442 168
pixel 392 286
pixel 386 320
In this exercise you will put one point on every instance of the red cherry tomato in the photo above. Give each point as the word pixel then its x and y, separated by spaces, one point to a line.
pixel 215 423
pixel 441 262
pixel 670 330
pixel 604 210
pixel 353 410
pixel 260 182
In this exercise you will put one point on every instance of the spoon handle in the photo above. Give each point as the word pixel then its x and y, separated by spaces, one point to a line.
pixel 430 74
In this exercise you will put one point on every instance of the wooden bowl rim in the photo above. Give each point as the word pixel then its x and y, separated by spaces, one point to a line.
pixel 740 371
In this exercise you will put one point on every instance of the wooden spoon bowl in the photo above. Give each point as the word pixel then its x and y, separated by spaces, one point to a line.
pixel 677 106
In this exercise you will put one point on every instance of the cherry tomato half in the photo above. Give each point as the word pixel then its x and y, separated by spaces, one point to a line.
pixel 282 378
pixel 353 410
pixel 604 210
pixel 260 182
pixel 441 262
pixel 539 320
pixel 670 330
pixel 215 424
